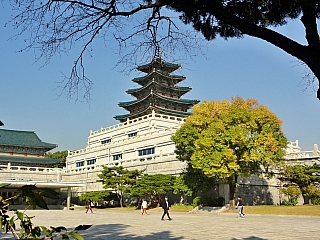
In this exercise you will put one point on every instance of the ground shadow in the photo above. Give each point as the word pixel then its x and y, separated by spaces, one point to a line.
pixel 110 232
pixel 249 238
pixel 118 231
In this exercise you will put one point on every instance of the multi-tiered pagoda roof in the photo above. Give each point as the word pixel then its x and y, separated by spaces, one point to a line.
pixel 158 92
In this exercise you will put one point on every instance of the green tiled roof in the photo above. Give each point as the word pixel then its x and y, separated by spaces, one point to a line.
pixel 178 78
pixel 182 101
pixel 159 62
pixel 31 160
pixel 23 138
pixel 175 88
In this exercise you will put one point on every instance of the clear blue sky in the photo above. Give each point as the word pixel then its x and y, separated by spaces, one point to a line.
pixel 249 68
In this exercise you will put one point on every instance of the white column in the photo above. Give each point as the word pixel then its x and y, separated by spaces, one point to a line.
pixel 68 198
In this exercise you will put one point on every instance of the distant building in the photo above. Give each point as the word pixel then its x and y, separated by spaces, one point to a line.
pixel 143 138
pixel 24 148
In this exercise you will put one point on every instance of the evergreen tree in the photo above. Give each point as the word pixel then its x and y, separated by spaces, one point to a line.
pixel 153 187
pixel 119 180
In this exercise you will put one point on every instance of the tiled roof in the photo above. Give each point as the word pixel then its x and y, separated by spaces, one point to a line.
pixel 22 138
pixel 177 78
pixel 174 88
pixel 31 160
pixel 181 100
pixel 159 62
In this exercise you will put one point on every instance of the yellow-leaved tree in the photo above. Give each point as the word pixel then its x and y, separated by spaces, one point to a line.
pixel 227 139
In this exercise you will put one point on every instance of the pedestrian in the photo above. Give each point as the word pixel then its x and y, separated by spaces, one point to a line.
pixel 144 207
pixel 239 206
pixel 166 206
pixel 89 206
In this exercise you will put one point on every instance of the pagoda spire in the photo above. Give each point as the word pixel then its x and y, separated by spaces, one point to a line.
pixel 159 92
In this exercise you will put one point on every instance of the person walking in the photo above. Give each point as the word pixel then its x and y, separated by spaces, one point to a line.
pixel 239 206
pixel 89 206
pixel 166 206
pixel 144 207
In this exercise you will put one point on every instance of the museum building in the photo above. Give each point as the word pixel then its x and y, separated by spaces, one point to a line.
pixel 142 139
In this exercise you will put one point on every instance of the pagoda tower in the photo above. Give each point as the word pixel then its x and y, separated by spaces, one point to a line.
pixel 158 92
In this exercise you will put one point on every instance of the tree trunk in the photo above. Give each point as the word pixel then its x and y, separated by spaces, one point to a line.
pixel 120 197
pixel 232 189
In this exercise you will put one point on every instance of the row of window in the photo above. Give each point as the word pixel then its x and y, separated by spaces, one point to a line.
pixel 146 151
pixel 134 134
pixel 106 141
pixel 117 157
pixel 89 162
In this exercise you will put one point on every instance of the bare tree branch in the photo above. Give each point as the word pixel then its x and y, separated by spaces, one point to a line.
pixel 56 26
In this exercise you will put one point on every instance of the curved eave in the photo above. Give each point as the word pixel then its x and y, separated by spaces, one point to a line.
pixel 157 62
pixel 45 146
pixel 178 78
pixel 33 160
pixel 125 116
pixel 180 101
pixel 176 113
pixel 174 88
pixel 126 104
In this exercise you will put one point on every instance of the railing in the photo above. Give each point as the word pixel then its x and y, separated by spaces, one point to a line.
pixel 149 116
pixel 26 168
pixel 26 173
pixel 141 160
pixel 124 141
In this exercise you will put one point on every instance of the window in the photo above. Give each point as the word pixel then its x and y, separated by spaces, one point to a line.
pixel 134 134
pixel 106 141
pixel 80 164
pixel 90 162
pixel 146 151
pixel 117 157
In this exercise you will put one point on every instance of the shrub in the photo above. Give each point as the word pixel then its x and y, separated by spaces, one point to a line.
pixel 313 193
pixel 196 201
pixel 293 193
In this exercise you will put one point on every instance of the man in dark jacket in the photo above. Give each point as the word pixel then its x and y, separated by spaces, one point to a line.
pixel 165 205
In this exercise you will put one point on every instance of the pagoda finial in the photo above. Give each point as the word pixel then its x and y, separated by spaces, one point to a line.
pixel 158 52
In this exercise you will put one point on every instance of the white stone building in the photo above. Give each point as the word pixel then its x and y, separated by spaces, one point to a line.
pixel 142 139
pixel 143 143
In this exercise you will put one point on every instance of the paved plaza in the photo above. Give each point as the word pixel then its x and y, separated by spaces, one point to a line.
pixel 113 224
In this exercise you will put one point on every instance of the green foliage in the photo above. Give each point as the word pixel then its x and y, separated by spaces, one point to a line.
pixel 293 192
pixel 34 197
pixel 196 201
pixel 209 201
pixel 224 139
pixel 62 155
pixel 191 181
pixel 98 196
pixel 313 193
pixel 119 180
pixel 153 187
pixel 304 177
